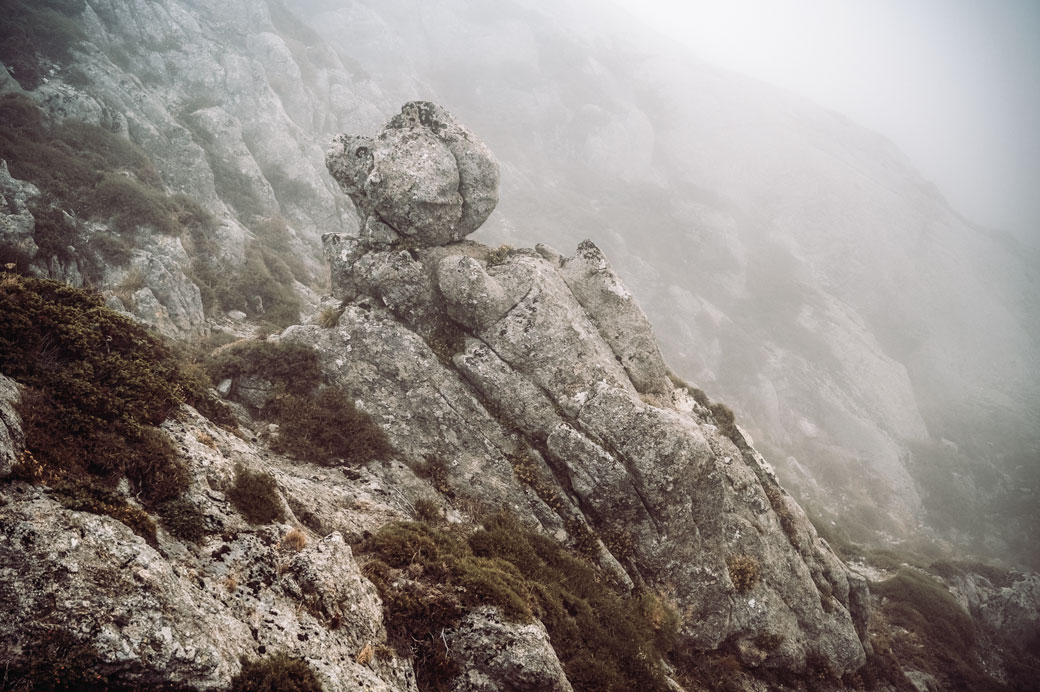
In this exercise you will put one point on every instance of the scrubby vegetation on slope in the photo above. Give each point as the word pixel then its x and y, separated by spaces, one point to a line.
pixel 428 577
pixel 34 31
pixel 98 386
pixel 277 673
pixel 318 424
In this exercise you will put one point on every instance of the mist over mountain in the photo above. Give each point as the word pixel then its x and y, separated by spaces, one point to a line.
pixel 792 262
pixel 878 349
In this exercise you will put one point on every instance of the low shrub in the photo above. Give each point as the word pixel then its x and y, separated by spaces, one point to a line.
pixel 293 366
pixel 255 495
pixel 327 429
pixel 725 419
pixel 428 578
pixel 98 384
pixel 276 673
pixel 183 519
pixel 743 572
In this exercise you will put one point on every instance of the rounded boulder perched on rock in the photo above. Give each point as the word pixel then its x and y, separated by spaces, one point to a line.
pixel 425 175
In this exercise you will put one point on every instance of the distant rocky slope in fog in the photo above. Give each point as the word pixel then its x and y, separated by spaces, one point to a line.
pixel 792 262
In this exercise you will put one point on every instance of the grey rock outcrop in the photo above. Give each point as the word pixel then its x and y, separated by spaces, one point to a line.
pixel 425 175
pixel 10 426
pixel 565 371
pixel 500 656
pixel 178 612
pixel 16 222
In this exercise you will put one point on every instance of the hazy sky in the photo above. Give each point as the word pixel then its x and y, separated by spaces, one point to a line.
pixel 954 83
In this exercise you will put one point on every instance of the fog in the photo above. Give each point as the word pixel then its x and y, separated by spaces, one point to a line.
pixel 954 83
pixel 794 264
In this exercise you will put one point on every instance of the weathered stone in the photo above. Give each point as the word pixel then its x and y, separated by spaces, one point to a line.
pixel 477 168
pixel 617 316
pixel 473 297
pixel 548 337
pixel 500 656
pixel 11 438
pixel 426 176
pixel 16 222
pixel 518 399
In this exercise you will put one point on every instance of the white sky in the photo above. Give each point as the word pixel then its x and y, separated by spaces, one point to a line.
pixel 954 83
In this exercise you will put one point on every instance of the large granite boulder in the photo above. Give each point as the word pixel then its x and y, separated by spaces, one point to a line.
pixel 424 176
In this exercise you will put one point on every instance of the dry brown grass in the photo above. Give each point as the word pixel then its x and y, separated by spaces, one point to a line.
pixel 365 655
pixel 294 541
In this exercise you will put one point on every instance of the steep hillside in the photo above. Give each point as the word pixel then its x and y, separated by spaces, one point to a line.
pixel 877 346
pixel 475 473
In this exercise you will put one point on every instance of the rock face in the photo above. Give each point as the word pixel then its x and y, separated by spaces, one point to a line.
pixel 498 656
pixel 425 176
pixel 565 368
pixel 186 613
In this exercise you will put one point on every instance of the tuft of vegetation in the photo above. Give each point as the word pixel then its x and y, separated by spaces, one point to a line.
pixel 37 30
pixel 276 673
pixel 255 495
pixel 293 366
pixel 743 572
pixel 725 419
pixel 328 429
pixel 329 317
pixel 97 387
pixel 498 255
pixel 183 519
pixel 294 541
pixel 428 578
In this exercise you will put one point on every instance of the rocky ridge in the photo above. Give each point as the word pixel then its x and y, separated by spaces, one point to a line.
pixel 554 356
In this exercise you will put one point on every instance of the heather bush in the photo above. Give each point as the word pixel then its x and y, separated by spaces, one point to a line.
pixel 428 577
pixel 97 386
pixel 328 429
pixel 276 673
pixel 255 495
pixel 293 366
